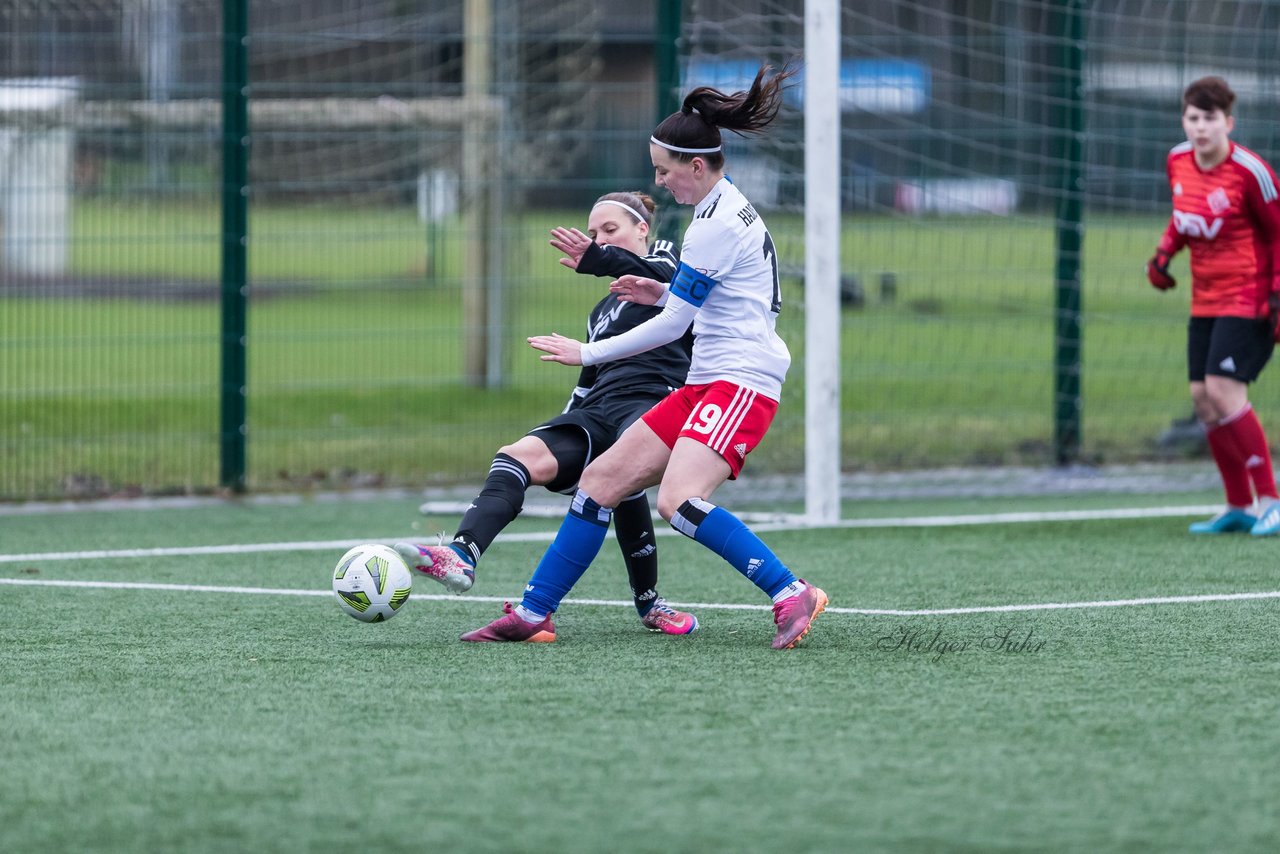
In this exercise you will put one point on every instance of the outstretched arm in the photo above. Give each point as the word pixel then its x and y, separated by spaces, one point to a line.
pixel 572 243
pixel 566 351
pixel 641 290
pixel 587 257
pixel 665 328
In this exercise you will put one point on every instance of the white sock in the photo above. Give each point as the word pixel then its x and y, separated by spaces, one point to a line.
pixel 795 588
pixel 528 616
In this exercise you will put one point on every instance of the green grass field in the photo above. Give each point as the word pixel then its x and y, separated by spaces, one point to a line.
pixel 256 717
pixel 356 366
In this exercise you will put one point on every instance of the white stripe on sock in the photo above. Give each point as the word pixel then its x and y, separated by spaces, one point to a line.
pixel 795 588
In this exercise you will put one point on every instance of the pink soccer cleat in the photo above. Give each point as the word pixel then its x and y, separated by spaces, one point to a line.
pixel 512 628
pixel 795 616
pixel 663 618
pixel 441 563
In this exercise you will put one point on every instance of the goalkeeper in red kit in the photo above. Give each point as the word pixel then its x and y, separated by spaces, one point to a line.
pixel 1225 210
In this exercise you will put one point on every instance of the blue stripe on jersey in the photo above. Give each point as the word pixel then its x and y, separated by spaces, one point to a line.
pixel 692 286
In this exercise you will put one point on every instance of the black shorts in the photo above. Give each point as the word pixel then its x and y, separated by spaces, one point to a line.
pixel 578 436
pixel 1234 347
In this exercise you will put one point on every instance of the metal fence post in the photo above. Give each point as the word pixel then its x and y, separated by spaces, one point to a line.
pixel 1069 18
pixel 666 66
pixel 235 227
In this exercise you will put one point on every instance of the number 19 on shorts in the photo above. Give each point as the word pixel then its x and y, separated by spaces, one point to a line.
pixel 703 419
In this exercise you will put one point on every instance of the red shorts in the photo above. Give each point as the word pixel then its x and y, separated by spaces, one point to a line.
pixel 729 419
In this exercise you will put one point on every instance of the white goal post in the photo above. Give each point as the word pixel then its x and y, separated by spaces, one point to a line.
pixel 822 260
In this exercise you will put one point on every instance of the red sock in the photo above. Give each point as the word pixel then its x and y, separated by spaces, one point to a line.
pixel 1235 477
pixel 1245 431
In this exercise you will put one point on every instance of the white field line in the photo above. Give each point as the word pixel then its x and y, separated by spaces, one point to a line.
pixel 780 523
pixel 899 522
pixel 696 606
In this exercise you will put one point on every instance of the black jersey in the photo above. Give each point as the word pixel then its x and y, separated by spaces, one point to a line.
pixel 656 371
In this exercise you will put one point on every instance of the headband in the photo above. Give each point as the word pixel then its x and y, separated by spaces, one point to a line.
pixel 677 148
pixel 625 207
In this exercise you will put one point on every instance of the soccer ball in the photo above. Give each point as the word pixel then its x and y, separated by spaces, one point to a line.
pixel 371 582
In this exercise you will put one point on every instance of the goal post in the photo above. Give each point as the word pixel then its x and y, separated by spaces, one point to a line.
pixel 822 260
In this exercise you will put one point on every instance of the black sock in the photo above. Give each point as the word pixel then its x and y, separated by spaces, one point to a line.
pixel 498 503
pixel 633 525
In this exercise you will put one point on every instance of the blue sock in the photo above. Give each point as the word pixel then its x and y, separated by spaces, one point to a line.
pixel 576 544
pixel 724 533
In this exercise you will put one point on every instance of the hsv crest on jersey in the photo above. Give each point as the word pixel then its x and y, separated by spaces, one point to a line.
pixel 1218 202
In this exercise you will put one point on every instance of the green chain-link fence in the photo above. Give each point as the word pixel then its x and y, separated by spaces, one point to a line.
pixel 405 162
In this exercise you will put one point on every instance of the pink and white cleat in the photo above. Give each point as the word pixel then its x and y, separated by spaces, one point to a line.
pixel 512 628
pixel 441 563
pixel 795 615
pixel 663 618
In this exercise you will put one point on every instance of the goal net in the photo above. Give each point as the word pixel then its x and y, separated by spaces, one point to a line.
pixel 977 142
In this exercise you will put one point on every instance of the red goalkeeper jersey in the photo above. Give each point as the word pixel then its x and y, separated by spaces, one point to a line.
pixel 1230 218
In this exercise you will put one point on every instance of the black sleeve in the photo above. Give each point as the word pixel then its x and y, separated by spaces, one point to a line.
pixel 659 264
pixel 587 376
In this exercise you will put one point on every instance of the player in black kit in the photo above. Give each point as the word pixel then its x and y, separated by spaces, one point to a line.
pixel 607 399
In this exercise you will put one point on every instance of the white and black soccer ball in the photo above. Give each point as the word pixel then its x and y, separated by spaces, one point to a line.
pixel 372 583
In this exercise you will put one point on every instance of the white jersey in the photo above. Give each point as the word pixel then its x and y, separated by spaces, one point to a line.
pixel 729 267
pixel 727 286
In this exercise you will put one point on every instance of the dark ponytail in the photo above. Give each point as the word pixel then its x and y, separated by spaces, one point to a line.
pixel 696 127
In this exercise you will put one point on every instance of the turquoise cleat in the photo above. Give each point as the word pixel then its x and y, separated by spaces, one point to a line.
pixel 1268 524
pixel 1231 521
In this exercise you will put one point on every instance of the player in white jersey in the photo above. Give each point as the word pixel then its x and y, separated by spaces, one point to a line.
pixel 697 437
pixel 729 288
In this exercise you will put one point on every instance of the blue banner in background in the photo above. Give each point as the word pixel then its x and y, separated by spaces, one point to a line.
pixel 866 85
